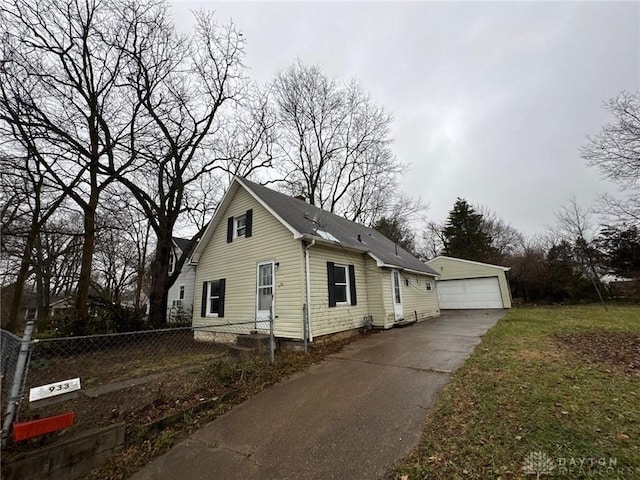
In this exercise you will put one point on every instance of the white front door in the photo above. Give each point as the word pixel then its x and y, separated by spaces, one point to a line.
pixel 264 295
pixel 397 296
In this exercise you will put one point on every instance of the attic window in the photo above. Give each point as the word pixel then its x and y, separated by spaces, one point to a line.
pixel 240 226
pixel 327 236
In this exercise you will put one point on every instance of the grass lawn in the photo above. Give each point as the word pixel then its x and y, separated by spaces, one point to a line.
pixel 550 392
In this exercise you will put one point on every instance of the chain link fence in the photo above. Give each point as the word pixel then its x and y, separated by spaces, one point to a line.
pixel 9 349
pixel 136 377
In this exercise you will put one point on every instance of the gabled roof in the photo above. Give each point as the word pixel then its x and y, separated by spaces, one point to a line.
pixel 308 222
pixel 182 243
pixel 472 262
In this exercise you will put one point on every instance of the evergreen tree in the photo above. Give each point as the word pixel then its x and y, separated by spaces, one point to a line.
pixel 621 248
pixel 397 230
pixel 464 234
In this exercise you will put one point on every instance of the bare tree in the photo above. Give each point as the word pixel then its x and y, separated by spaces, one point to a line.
pixel 30 203
pixel 61 99
pixel 121 250
pixel 577 227
pixel 335 144
pixel 189 89
pixel 433 239
pixel 505 239
pixel 615 151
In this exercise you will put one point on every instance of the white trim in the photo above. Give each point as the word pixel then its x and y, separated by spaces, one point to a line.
pixel 267 207
pixel 381 264
pixel 504 269
pixel 393 295
pixel 273 292
pixel 346 283
pixel 324 241
pixel 208 312
pixel 236 227
pixel 308 275
pixel 236 183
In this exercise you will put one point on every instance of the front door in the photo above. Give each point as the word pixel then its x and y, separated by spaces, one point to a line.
pixel 397 296
pixel 264 295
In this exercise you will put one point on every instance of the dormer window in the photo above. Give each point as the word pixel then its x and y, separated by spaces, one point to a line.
pixel 240 226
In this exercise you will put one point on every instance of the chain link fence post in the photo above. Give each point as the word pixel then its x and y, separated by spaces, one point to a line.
pixel 305 327
pixel 272 343
pixel 18 381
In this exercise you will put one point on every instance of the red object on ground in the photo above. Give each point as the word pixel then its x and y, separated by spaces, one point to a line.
pixel 34 428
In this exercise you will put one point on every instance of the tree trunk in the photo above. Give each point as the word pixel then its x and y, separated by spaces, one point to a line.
pixel 23 274
pixel 159 281
pixel 81 304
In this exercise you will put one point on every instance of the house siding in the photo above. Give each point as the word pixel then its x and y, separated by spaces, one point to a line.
pixel 452 269
pixel 187 278
pixel 324 319
pixel 416 299
pixel 237 263
pixel 386 294
pixel 418 303
pixel 376 294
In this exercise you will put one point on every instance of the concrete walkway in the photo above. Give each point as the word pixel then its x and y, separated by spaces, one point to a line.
pixel 351 416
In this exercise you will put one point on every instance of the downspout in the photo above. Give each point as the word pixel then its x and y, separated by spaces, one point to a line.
pixel 308 279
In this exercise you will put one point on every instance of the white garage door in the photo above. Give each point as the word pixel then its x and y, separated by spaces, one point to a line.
pixel 470 293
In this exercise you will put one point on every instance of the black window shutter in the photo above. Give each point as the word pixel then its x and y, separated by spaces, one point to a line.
pixel 203 305
pixel 221 302
pixel 248 223
pixel 331 284
pixel 352 284
pixel 230 230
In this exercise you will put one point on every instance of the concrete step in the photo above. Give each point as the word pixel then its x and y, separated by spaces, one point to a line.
pixel 403 323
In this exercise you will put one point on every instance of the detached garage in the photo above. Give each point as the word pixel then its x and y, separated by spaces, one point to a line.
pixel 465 284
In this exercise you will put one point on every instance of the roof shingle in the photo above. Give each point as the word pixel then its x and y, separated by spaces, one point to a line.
pixel 311 221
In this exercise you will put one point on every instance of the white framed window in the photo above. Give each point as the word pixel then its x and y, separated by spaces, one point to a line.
pixel 239 226
pixel 341 285
pixel 172 263
pixel 341 280
pixel 428 284
pixel 213 299
pixel 181 294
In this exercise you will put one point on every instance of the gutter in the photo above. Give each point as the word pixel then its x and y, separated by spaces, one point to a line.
pixel 322 241
pixel 308 280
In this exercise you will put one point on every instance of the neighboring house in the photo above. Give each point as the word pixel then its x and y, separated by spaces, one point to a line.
pixel 264 249
pixel 467 284
pixel 180 296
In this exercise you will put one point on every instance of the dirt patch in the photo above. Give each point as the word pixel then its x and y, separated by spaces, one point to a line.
pixel 160 412
pixel 618 349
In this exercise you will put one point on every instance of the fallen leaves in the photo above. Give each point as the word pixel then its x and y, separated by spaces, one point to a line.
pixel 615 348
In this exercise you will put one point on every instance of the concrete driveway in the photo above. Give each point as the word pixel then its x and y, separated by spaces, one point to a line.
pixel 351 416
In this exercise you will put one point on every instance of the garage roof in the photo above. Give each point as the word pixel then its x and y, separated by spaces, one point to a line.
pixel 472 262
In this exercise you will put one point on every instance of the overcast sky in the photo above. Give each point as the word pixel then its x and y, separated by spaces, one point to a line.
pixel 491 101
